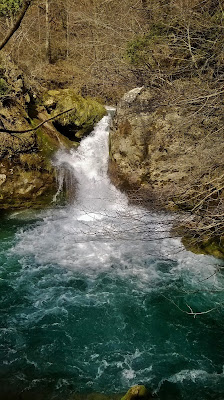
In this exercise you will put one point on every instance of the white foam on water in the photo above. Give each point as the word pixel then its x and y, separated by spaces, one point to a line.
pixel 193 375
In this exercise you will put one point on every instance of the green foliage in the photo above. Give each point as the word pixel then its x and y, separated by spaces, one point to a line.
pixel 4 88
pixel 138 50
pixel 9 7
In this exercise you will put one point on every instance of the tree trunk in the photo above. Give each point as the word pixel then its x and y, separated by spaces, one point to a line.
pixel 67 32
pixel 48 34
pixel 17 23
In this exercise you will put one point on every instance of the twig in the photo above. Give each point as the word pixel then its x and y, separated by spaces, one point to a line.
pixel 191 310
pixel 11 131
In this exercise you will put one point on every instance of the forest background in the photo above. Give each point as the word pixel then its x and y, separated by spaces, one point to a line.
pixel 105 47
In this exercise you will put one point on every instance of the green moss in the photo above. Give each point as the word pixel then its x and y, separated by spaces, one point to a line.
pixel 49 143
pixel 137 392
pixel 213 247
pixel 4 88
pixel 27 189
pixel 87 112
pixel 9 7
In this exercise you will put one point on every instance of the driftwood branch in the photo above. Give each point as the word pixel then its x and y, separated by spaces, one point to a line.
pixel 17 23
pixel 191 312
pixel 12 131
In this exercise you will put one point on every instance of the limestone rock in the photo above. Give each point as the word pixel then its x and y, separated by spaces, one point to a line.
pixel 27 177
pixel 78 122
pixel 160 145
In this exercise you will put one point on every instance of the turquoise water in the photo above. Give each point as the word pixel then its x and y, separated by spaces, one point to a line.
pixel 65 331
pixel 93 298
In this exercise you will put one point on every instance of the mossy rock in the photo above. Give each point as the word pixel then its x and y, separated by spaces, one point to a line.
pixel 4 88
pixel 213 247
pixel 78 122
pixel 137 392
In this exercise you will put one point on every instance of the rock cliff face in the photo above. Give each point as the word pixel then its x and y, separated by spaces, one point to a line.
pixel 167 145
pixel 163 145
pixel 27 176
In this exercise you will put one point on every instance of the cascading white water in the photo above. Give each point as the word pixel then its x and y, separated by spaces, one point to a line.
pixel 95 195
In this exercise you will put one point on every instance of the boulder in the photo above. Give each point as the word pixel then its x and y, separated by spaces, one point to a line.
pixel 27 176
pixel 137 392
pixel 86 112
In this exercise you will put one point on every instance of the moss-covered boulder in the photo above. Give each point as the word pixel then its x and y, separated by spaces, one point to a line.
pixel 211 246
pixel 78 122
pixel 138 392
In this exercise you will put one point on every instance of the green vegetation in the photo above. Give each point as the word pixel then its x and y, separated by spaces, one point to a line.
pixel 187 41
pixel 4 88
pixel 77 122
pixel 8 8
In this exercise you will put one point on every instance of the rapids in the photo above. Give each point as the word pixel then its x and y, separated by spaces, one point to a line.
pixel 94 296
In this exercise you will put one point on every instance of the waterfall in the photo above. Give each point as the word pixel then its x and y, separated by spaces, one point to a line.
pixel 94 194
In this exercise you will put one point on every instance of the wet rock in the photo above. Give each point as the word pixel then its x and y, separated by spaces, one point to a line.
pixel 166 151
pixel 137 392
pixel 78 122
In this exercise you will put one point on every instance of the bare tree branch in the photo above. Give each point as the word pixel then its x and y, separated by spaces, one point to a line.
pixel 11 131
pixel 191 312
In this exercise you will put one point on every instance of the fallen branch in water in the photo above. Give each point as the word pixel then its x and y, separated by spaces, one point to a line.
pixel 191 312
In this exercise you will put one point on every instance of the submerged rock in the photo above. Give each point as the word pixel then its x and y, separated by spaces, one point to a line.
pixel 137 392
pixel 95 396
